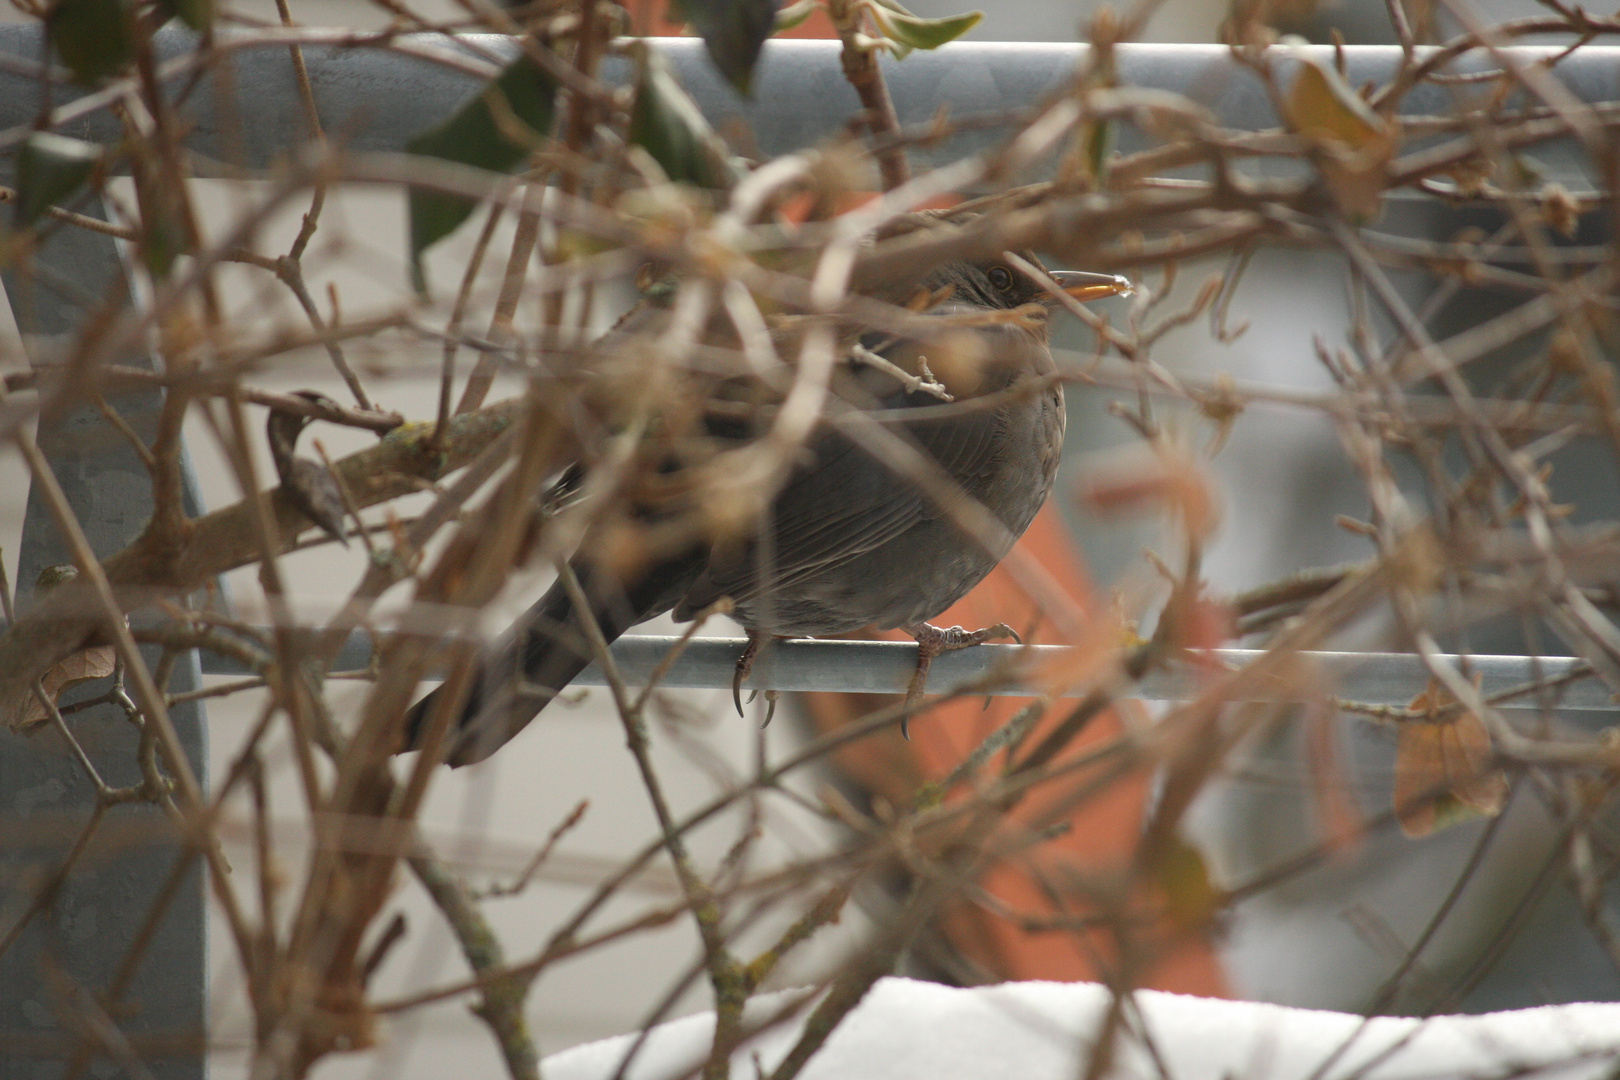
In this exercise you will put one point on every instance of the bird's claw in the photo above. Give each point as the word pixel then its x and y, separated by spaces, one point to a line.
pixel 935 640
pixel 745 665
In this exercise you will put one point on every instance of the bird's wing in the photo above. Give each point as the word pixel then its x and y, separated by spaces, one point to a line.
pixel 842 503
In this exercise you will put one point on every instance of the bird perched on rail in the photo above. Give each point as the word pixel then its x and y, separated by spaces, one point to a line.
pixel 862 530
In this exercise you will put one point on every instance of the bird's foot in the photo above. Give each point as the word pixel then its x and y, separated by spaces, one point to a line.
pixel 745 665
pixel 933 641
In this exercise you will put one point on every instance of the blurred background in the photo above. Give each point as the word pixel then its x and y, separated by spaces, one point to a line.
pixel 1331 937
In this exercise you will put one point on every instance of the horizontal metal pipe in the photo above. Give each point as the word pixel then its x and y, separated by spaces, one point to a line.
pixel 377 100
pixel 248 114
pixel 885 667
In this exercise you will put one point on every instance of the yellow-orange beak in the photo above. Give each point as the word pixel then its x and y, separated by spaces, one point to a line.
pixel 1083 286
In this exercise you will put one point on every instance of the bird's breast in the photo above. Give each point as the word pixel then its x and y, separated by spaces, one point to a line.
pixel 920 572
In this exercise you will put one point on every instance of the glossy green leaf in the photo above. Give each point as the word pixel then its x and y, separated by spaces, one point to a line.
pixel 666 123
pixel 161 244
pixel 733 31
pixel 50 169
pixel 1098 143
pixel 918 33
pixel 795 14
pixel 197 14
pixel 94 38
pixel 163 237
pixel 496 130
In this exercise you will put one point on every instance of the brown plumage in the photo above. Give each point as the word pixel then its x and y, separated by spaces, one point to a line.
pixel 848 541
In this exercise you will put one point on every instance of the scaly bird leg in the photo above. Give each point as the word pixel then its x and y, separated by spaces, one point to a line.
pixel 745 664
pixel 931 642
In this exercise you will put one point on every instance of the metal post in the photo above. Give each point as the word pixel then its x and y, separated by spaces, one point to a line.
pixel 70 953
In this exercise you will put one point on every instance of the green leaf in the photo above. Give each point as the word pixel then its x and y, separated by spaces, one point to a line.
pixel 163 238
pixel 1099 143
pixel 668 125
pixel 496 130
pixel 197 14
pixel 918 33
pixel 50 168
pixel 795 14
pixel 162 242
pixel 733 31
pixel 94 38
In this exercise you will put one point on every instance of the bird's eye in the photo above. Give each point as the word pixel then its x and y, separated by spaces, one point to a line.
pixel 1001 278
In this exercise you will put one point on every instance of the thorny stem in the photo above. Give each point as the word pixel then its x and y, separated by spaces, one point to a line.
pixel 725 973
pixel 482 376
pixel 291 273
pixel 452 328
pixel 501 1007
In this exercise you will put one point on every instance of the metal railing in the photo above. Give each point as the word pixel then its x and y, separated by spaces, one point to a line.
pixel 885 667
pixel 374 100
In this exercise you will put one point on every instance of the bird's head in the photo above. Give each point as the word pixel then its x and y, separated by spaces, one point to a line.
pixel 1011 283
pixel 986 323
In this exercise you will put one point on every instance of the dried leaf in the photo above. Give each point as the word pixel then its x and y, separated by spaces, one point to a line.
pixel 1449 751
pixel 1560 209
pixel 309 485
pixel 1191 898
pixel 1354 144
pixel 1323 107
pixel 52 576
pixel 96 662
pixel 93 663
pixel 313 490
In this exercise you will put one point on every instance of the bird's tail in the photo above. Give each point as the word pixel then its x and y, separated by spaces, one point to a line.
pixel 544 651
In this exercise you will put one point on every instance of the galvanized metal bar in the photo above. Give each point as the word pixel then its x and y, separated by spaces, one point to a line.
pixel 100 908
pixel 885 667
pixel 374 99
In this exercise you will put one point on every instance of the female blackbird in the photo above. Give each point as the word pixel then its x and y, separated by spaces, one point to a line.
pixel 851 538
